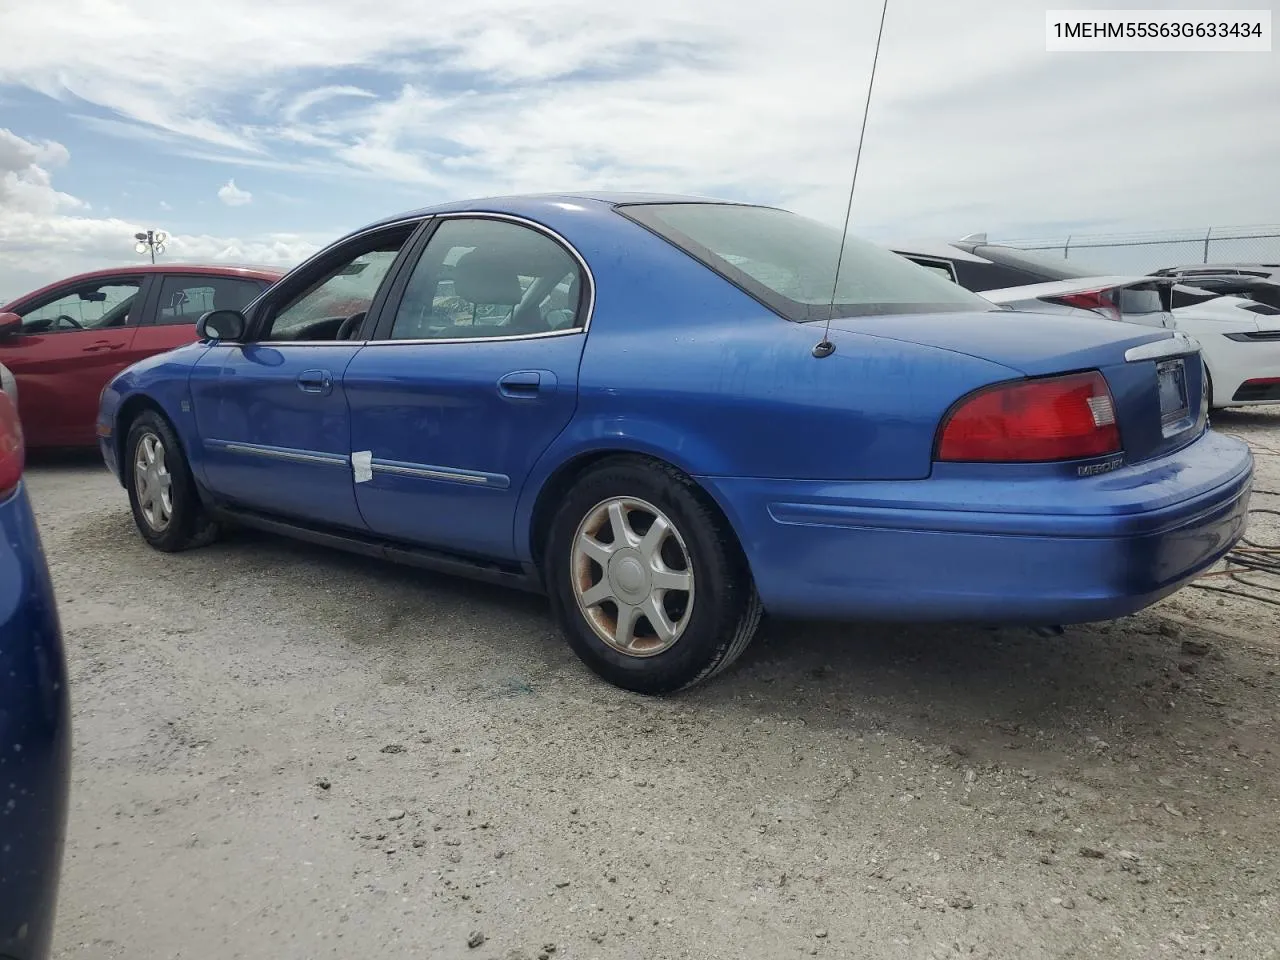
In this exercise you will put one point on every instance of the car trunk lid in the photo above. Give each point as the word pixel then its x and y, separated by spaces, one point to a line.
pixel 1155 375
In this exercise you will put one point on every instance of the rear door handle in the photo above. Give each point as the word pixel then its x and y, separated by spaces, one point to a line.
pixel 522 384
pixel 315 381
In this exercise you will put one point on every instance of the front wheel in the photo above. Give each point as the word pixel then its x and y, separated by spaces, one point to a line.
pixel 647 580
pixel 162 492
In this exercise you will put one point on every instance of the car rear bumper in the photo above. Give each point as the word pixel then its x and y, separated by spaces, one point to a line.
pixel 1031 550
pixel 1237 367
pixel 35 738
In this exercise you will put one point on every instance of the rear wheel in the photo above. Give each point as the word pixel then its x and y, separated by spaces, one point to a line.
pixel 162 492
pixel 647 581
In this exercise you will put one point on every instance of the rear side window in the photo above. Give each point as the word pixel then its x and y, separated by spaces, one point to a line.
pixel 788 262
pixel 941 267
pixel 1140 300
pixel 481 278
pixel 186 299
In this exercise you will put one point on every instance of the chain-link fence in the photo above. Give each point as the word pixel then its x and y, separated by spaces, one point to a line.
pixel 1144 252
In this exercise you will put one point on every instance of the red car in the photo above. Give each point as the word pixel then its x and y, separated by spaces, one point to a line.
pixel 64 342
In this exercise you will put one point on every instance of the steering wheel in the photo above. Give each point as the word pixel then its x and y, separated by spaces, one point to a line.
pixel 71 321
pixel 348 325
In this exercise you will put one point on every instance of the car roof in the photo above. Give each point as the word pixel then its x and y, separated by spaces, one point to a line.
pixel 264 272
pixel 256 271
pixel 532 204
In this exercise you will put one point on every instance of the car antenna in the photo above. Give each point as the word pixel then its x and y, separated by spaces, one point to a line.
pixel 824 347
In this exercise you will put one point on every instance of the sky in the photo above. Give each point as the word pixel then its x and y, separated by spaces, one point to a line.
pixel 255 131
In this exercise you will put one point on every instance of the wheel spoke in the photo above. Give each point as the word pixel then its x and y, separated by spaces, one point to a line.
pixel 596 595
pixel 650 545
pixel 149 450
pixel 658 619
pixel 597 551
pixel 665 578
pixel 634 577
pixel 622 535
pixel 625 634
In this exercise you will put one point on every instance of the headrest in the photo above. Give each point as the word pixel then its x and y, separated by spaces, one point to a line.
pixel 481 276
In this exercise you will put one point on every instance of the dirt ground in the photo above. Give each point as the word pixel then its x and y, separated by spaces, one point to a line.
pixel 284 752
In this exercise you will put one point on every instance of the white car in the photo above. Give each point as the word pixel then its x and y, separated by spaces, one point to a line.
pixel 8 384
pixel 1239 338
pixel 1240 344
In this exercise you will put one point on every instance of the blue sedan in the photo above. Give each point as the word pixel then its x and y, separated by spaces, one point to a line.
pixel 672 415
pixel 35 729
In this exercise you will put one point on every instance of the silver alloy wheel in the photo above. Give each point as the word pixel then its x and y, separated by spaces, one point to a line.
pixel 153 482
pixel 634 586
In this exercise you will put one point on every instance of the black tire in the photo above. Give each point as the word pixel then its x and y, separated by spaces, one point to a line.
pixel 188 524
pixel 723 612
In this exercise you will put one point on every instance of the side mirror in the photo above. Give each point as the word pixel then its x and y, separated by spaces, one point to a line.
pixel 222 325
pixel 10 323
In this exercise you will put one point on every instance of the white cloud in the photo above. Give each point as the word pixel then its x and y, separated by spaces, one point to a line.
pixel 26 185
pixel 233 196
pixel 164 205
pixel 973 125
pixel 46 234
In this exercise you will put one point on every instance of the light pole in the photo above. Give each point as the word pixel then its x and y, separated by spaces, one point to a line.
pixel 152 240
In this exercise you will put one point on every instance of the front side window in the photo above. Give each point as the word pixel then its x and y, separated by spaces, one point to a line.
pixel 341 292
pixel 93 306
pixel 185 299
pixel 788 262
pixel 489 278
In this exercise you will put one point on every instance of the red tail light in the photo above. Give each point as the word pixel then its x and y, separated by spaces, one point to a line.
pixel 1099 301
pixel 1055 418
pixel 11 446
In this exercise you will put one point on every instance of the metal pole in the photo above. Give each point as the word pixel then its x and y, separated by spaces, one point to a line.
pixel 1066 249
pixel 1206 245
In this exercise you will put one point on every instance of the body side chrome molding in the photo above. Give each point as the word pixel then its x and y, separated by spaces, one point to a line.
pixel 280 453
pixel 424 471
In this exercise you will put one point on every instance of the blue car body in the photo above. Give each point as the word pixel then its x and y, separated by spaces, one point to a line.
pixel 35 738
pixel 825 468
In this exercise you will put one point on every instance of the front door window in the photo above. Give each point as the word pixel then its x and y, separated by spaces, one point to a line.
pixel 344 292
pixel 93 306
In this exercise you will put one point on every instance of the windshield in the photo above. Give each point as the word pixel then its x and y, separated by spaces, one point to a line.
pixel 788 262
pixel 1045 264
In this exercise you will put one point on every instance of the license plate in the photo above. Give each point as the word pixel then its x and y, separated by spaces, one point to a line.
pixel 1172 376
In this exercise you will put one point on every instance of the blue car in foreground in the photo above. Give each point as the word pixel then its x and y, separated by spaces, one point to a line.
pixel 35 728
pixel 672 415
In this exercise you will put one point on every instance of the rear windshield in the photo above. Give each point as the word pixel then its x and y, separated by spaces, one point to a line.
pixel 788 262
pixel 1045 265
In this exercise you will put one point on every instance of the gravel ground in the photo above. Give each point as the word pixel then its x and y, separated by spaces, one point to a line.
pixel 284 752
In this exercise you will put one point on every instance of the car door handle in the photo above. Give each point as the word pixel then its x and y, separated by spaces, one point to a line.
pixel 102 345
pixel 315 381
pixel 522 383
